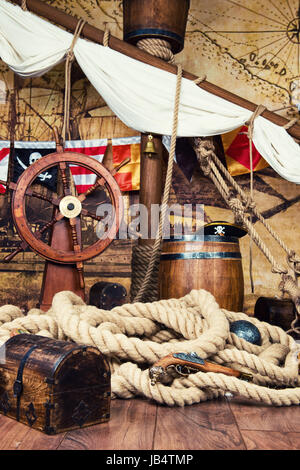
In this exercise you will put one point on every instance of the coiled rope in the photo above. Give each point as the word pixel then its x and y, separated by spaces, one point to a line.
pixel 134 336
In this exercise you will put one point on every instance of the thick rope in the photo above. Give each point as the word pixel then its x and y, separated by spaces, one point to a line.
pixel 249 203
pixel 157 47
pixel 141 257
pixel 164 206
pixel 290 124
pixel 145 260
pixel 68 67
pixel 259 110
pixel 211 165
pixel 134 336
pixel 106 36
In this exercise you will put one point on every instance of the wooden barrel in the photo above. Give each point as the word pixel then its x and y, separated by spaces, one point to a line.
pixel 205 262
pixel 162 19
pixel 278 312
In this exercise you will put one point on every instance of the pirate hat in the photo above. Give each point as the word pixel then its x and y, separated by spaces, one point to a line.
pixel 224 229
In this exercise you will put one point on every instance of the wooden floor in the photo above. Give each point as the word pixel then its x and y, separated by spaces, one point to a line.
pixel 139 424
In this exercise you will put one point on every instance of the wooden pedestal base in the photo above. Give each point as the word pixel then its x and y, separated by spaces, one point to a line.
pixel 60 277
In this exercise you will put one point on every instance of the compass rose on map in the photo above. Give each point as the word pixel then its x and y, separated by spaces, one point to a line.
pixel 257 39
pixel 293 29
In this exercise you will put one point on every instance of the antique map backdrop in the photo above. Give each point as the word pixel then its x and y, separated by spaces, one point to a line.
pixel 250 49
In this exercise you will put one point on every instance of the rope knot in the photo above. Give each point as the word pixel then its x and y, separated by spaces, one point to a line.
pixel 277 269
pixel 205 151
pixel 237 207
pixel 288 285
pixel 294 262
pixel 249 204
pixel 70 56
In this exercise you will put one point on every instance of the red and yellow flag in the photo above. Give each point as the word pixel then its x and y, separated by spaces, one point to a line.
pixel 128 177
pixel 236 148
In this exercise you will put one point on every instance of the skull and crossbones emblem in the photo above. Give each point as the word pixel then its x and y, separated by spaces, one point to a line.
pixel 34 156
pixel 220 230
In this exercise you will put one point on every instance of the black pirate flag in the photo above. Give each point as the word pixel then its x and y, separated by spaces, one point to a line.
pixel 26 153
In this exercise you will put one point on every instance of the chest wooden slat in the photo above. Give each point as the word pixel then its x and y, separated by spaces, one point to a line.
pixel 52 385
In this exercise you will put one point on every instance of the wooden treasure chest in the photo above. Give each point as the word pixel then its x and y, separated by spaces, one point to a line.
pixel 53 386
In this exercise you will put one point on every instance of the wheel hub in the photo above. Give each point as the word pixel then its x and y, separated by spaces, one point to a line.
pixel 70 206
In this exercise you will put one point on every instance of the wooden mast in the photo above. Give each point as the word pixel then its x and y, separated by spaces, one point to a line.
pixel 96 35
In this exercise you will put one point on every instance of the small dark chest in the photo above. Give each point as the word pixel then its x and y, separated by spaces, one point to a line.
pixel 52 385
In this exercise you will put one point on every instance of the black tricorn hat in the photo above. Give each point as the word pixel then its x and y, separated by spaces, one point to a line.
pixel 224 229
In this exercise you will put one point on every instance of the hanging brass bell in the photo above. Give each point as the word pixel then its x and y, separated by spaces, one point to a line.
pixel 150 148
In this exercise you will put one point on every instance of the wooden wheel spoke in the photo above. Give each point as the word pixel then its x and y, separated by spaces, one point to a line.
pixel 64 178
pixel 29 192
pixel 88 213
pixel 7 184
pixel 71 251
pixel 99 182
pixel 23 245
pixel 51 200
pixel 77 249
pixel 50 224
pixel 76 245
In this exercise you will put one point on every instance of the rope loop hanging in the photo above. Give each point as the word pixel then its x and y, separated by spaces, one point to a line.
pixel 164 205
pixel 199 80
pixel 145 260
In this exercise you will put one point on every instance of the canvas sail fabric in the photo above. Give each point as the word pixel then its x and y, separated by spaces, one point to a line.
pixel 142 96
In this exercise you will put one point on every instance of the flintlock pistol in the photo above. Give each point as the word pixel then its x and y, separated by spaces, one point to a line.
pixel 185 364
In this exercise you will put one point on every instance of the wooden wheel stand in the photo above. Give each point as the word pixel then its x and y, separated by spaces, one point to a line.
pixel 64 254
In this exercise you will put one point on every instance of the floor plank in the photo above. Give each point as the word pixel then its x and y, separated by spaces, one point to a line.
pixel 131 426
pixel 252 416
pixel 11 433
pixel 266 440
pixel 17 436
pixel 207 426
pixel 139 424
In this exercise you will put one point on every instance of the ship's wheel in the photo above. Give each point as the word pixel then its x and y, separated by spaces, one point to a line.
pixel 59 240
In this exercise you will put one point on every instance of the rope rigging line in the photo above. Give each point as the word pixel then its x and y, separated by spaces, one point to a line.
pixel 164 205
pixel 242 204
pixel 145 260
pixel 68 67
pixel 259 110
